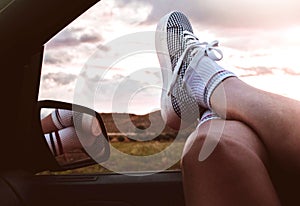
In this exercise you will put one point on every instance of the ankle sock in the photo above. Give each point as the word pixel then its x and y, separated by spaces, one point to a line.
pixel 208 115
pixel 202 77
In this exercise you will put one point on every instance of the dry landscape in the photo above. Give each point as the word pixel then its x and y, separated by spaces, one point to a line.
pixel 120 124
pixel 138 135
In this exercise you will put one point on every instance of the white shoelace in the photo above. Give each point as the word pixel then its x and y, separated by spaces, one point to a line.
pixel 209 49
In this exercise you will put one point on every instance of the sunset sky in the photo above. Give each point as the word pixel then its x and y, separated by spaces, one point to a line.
pixel 260 41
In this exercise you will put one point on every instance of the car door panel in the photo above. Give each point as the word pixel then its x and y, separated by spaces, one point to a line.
pixel 103 189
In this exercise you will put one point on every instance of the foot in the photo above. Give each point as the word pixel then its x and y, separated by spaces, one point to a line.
pixel 203 74
pixel 177 105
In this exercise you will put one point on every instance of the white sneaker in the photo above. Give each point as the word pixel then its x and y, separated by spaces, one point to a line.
pixel 176 104
pixel 195 74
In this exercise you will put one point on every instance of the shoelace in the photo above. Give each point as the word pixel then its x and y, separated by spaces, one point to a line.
pixel 193 44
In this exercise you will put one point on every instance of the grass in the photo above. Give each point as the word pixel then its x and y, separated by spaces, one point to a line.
pixel 135 149
pixel 141 148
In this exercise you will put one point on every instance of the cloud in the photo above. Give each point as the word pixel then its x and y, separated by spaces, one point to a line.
pixel 73 36
pixel 131 12
pixel 67 37
pixel 57 57
pixel 59 78
pixel 268 14
pixel 90 38
pixel 262 70
pixel 243 25
pixel 228 13
pixel 50 59
pixel 256 71
pixel 290 71
pixel 57 86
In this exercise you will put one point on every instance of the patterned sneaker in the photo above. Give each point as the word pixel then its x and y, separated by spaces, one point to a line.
pixel 176 104
pixel 195 74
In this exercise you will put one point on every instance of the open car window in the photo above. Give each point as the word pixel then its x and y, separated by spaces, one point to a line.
pixel 85 64
pixel 88 63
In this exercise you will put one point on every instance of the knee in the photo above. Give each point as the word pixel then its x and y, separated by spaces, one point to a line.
pixel 205 148
pixel 216 149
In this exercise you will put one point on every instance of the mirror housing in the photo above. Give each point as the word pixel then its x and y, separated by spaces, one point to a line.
pixel 75 135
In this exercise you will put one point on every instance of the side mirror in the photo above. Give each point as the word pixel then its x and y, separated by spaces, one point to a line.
pixel 76 135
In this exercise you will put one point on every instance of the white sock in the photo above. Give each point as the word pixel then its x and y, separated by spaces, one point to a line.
pixel 208 115
pixel 202 77
pixel 62 118
pixel 63 141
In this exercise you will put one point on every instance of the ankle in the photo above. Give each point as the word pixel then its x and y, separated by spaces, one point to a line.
pixel 220 99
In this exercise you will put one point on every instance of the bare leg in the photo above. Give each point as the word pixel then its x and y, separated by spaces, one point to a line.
pixel 274 118
pixel 193 67
pixel 48 125
pixel 234 174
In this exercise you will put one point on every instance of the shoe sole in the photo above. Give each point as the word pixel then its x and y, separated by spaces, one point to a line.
pixel 167 111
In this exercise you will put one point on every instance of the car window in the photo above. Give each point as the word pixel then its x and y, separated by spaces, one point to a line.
pixel 98 61
pixel 125 91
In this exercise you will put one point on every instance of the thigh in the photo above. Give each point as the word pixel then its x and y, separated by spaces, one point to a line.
pixel 234 173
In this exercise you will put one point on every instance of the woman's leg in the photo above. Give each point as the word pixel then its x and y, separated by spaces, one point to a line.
pixel 193 69
pixel 234 174
pixel 274 118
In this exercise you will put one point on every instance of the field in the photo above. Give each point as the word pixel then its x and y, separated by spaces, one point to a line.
pixel 136 126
